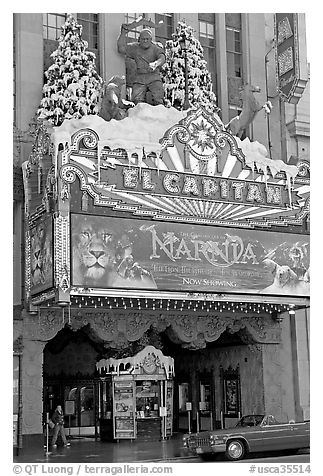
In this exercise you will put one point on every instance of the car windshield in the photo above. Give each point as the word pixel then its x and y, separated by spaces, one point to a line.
pixel 250 420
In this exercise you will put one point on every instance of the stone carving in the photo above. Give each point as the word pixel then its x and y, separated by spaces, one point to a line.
pixel 185 326
pixel 137 324
pixel 120 327
pixel 105 324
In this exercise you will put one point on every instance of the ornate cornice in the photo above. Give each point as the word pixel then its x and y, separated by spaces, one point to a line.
pixel 121 327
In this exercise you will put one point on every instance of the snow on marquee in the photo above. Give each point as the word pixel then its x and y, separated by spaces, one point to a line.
pixel 143 129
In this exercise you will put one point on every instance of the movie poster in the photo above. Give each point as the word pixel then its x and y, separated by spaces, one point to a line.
pixel 41 256
pixel 129 253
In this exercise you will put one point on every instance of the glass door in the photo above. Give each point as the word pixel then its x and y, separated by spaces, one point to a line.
pixel 184 406
pixel 79 409
pixel 205 404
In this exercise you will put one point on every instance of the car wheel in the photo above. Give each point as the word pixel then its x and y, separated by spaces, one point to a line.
pixel 235 450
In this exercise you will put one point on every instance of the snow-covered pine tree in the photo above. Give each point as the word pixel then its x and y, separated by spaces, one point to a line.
pixel 73 85
pixel 173 73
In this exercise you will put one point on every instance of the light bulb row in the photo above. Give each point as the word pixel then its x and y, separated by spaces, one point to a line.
pixel 175 305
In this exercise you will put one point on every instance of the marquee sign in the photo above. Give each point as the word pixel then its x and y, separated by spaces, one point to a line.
pixel 176 184
pixel 130 253
pixel 197 175
pixel 290 56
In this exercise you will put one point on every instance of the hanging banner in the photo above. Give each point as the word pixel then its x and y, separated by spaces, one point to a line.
pixel 291 58
pixel 128 253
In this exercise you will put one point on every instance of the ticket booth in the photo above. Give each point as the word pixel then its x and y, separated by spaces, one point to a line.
pixel 136 396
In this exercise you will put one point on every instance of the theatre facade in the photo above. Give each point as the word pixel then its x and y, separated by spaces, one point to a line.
pixel 167 278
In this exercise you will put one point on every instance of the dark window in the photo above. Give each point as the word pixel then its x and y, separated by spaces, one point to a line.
pixel 207 40
pixel 90 33
pixel 52 23
pixel 90 24
pixel 129 18
pixel 234 59
pixel 165 30
pixel 52 29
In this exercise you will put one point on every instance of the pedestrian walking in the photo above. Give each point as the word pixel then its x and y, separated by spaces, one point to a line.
pixel 58 420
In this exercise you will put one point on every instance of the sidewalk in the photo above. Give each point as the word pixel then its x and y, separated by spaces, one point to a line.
pixel 88 450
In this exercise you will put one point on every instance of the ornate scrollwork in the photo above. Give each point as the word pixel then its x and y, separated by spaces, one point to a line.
pixel 118 327
pixel 185 326
pixel 179 131
pixel 137 324
pixel 87 136
pixel 68 173
pixel 105 325
pixel 212 326
pixel 41 145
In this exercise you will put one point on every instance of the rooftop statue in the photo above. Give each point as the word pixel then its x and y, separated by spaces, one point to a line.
pixel 145 58
pixel 250 107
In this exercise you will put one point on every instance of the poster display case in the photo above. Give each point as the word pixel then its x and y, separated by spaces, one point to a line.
pixel 123 408
pixel 138 391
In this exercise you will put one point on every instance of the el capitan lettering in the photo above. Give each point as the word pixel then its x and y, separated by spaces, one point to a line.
pixel 219 189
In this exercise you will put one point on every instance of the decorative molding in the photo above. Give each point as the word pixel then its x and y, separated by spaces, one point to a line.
pixel 121 327
pixel 27 264
pixel 62 251
pixel 41 144
pixel 43 297
pixel 45 326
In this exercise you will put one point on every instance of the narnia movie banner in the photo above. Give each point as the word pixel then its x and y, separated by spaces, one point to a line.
pixel 129 253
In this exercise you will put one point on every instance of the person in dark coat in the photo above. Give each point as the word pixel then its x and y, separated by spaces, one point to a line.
pixel 58 420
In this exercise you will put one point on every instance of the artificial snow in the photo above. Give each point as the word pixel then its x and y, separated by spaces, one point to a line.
pixel 143 128
pixel 256 157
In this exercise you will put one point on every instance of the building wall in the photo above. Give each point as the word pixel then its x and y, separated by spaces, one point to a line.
pixel 287 368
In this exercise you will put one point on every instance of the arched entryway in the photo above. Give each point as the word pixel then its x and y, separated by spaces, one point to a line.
pixel 192 338
pixel 71 379
pixel 69 375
